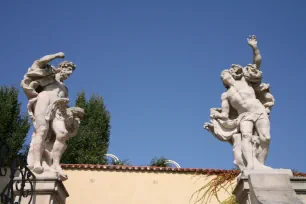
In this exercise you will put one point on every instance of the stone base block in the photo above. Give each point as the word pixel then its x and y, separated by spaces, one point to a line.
pixel 270 186
pixel 46 191
pixel 246 173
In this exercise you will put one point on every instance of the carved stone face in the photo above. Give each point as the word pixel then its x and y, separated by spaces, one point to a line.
pixel 65 73
pixel 227 78
pixel 66 69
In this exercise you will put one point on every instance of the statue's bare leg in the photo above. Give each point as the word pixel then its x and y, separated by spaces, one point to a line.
pixel 30 159
pixel 47 156
pixel 263 129
pixel 238 151
pixel 41 130
pixel 60 145
pixel 246 128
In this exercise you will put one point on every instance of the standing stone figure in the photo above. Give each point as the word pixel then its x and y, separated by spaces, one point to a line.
pixel 54 123
pixel 243 119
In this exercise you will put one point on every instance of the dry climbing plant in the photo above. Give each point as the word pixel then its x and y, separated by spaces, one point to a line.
pixel 226 182
pixel 223 181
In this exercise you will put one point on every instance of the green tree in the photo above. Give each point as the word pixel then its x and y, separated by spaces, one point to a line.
pixel 91 142
pixel 161 162
pixel 13 125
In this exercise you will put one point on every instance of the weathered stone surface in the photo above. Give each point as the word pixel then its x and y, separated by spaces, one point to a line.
pixel 299 186
pixel 267 187
pixel 248 172
pixel 243 119
pixel 54 123
pixel 272 189
pixel 47 191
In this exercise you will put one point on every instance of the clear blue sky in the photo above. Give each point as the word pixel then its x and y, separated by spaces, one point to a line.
pixel 157 64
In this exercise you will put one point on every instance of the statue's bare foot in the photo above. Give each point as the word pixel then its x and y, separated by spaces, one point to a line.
pixel 63 176
pixel 59 170
pixel 56 168
pixel 258 165
pixel 265 167
pixel 250 167
pixel 38 169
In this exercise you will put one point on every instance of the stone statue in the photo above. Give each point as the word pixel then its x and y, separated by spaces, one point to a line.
pixel 243 119
pixel 54 123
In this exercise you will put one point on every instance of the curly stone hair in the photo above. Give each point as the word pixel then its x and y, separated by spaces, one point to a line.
pixel 77 112
pixel 236 71
pixel 66 64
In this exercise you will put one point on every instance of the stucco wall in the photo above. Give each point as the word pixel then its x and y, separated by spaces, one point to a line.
pixel 118 187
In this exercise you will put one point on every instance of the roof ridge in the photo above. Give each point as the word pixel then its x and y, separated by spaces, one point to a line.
pixel 147 168
pixel 156 169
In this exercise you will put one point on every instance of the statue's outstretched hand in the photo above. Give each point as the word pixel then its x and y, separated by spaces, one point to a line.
pixel 252 41
pixel 208 126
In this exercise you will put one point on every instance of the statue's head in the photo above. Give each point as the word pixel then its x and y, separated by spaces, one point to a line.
pixel 236 71
pixel 252 74
pixel 75 114
pixel 65 70
pixel 227 78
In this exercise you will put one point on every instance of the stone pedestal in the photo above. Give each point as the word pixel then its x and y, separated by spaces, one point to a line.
pixel 46 191
pixel 270 187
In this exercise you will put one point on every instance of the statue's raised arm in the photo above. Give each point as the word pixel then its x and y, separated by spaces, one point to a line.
pixel 40 74
pixel 252 41
pixel 45 60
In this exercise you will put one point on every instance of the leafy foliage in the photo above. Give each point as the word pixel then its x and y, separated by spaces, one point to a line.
pixel 161 162
pixel 91 142
pixel 120 162
pixel 294 171
pixel 222 181
pixel 230 200
pixel 297 173
pixel 13 126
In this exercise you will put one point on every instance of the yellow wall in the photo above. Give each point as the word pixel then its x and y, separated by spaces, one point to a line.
pixel 127 187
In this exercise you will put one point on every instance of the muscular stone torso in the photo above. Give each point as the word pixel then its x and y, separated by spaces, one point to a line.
pixel 242 97
pixel 56 90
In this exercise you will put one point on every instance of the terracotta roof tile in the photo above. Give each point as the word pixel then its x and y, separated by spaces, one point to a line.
pixel 153 168
pixel 142 168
